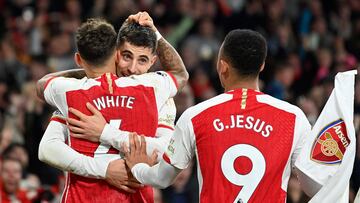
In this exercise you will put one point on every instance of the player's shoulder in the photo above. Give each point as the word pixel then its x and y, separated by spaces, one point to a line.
pixel 147 77
pixel 170 103
pixel 205 105
pixel 68 80
pixel 63 84
pixel 280 104
pixel 169 107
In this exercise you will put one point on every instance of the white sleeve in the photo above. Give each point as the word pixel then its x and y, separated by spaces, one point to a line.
pixel 55 92
pixel 54 151
pixel 50 91
pixel 181 147
pixel 329 152
pixel 115 137
pixel 166 122
pixel 301 132
pixel 160 175
pixel 164 83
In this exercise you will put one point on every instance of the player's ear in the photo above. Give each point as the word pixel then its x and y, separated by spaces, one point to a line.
pixel 117 56
pixel 224 66
pixel 153 59
pixel 262 67
pixel 77 59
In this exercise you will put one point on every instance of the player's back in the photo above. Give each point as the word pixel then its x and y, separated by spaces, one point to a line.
pixel 244 143
pixel 123 107
pixel 130 104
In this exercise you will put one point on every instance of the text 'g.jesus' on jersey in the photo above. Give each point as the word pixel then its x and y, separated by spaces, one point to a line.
pixel 245 143
pixel 128 103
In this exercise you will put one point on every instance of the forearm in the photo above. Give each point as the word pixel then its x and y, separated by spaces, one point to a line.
pixel 160 175
pixel 40 85
pixel 115 137
pixel 67 159
pixel 53 151
pixel 172 62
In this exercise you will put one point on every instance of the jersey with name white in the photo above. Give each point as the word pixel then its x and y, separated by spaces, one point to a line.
pixel 128 103
pixel 245 143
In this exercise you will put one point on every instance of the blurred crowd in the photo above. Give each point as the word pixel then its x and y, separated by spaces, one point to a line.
pixel 309 41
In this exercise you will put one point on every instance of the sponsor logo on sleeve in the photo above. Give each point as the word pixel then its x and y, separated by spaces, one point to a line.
pixel 331 143
pixel 58 114
pixel 168 119
pixel 161 73
pixel 170 149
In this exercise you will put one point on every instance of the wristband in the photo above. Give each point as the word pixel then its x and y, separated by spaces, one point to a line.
pixel 158 35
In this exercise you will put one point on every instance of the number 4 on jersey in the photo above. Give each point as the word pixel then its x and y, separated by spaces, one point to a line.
pixel 249 181
pixel 104 148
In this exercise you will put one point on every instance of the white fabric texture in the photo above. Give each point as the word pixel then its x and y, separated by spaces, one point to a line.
pixel 334 178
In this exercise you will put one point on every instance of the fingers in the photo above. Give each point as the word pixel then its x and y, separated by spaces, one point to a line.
pixel 77 135
pixel 134 184
pixel 75 129
pixel 143 145
pixel 137 144
pixel 143 18
pixel 125 188
pixel 77 113
pixel 135 17
pixel 132 142
pixel 92 109
pixel 125 150
pixel 131 18
pixel 154 157
pixel 75 122
pixel 146 20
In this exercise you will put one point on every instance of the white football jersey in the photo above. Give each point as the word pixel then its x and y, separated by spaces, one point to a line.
pixel 245 143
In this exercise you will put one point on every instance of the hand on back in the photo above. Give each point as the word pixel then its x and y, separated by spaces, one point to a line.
pixel 87 127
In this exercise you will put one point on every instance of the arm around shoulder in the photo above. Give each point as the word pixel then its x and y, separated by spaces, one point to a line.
pixel 172 62
pixel 44 81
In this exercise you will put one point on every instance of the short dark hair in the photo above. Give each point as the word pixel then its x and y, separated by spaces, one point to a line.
pixel 245 50
pixel 137 35
pixel 5 159
pixel 9 149
pixel 96 41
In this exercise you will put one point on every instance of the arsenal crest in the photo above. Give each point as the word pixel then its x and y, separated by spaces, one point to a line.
pixel 330 145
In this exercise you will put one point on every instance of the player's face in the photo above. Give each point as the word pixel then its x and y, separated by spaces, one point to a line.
pixel 134 60
pixel 11 175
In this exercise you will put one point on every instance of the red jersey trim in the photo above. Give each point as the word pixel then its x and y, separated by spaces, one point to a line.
pixel 58 119
pixel 174 79
pixel 66 189
pixel 48 81
pixel 166 158
pixel 165 126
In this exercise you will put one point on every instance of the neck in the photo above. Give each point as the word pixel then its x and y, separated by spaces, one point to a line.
pixel 244 83
pixel 94 72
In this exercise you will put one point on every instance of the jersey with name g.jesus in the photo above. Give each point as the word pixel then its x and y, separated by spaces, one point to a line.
pixel 128 103
pixel 245 143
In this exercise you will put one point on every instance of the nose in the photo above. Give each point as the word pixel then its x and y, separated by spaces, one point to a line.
pixel 132 68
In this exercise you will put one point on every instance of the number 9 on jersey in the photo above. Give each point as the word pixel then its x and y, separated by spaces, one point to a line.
pixel 249 181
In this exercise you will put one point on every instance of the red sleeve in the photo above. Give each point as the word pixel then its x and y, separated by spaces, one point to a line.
pixel 174 79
